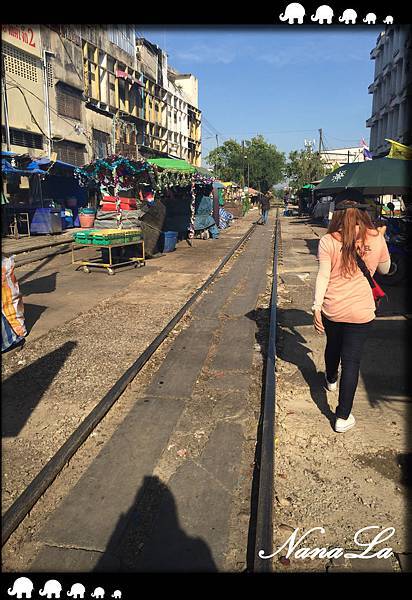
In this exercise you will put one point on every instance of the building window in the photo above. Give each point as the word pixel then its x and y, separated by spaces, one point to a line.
pixel 26 139
pixel 70 152
pixel 101 144
pixel 123 36
pixel 18 62
pixel 69 101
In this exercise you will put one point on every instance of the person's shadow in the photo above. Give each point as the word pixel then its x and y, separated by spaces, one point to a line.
pixel 291 347
pixel 149 538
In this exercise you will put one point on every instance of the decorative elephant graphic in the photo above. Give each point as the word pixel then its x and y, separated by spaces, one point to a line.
pixel 370 19
pixel 98 593
pixel 77 591
pixel 349 16
pixel 388 20
pixel 22 588
pixel 323 13
pixel 293 11
pixel 52 589
pixel 117 594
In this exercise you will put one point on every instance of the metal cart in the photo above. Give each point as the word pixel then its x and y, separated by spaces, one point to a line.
pixel 110 266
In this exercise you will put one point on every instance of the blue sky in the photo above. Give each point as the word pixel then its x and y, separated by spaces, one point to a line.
pixel 282 84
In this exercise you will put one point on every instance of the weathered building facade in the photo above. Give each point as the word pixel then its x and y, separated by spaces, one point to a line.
pixel 391 89
pixel 81 92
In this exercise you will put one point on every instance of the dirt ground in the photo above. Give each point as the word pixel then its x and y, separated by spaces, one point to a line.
pixel 341 482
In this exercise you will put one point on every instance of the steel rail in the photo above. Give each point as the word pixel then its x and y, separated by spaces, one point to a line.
pixel 25 502
pixel 263 542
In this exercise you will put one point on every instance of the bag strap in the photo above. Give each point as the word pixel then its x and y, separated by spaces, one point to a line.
pixel 362 266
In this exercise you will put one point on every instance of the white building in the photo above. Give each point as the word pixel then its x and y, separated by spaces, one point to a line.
pixel 342 156
pixel 391 89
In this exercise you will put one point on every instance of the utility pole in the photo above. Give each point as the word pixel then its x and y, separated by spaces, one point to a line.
pixel 243 162
pixel 46 104
pixel 320 139
pixel 217 146
pixel 5 107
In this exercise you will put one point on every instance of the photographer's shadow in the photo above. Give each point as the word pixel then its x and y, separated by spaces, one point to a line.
pixel 292 347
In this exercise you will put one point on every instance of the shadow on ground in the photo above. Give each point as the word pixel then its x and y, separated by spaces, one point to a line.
pixel 148 538
pixel 293 348
pixel 32 313
pixel 22 392
pixel 41 285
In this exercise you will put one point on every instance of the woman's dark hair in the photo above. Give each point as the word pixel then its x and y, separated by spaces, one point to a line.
pixel 343 228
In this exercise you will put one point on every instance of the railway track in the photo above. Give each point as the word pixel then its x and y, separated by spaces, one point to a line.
pixel 263 538
pixel 263 517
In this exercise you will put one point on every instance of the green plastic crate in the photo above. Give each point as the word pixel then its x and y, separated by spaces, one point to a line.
pixel 108 239
pixel 133 236
pixel 83 237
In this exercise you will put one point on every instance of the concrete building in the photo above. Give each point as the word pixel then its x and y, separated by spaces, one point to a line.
pixel 81 92
pixel 24 117
pixel 173 119
pixel 342 156
pixel 391 89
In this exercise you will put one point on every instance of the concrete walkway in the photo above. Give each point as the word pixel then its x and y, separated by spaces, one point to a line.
pixel 170 490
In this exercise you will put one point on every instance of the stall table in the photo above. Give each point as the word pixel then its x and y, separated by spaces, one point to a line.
pixel 110 266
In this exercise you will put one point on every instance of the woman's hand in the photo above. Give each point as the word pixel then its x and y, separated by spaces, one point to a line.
pixel 317 322
pixel 382 229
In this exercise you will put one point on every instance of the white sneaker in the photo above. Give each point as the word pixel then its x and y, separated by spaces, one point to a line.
pixel 343 425
pixel 332 387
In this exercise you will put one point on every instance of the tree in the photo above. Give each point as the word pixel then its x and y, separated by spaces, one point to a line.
pixel 257 160
pixel 303 167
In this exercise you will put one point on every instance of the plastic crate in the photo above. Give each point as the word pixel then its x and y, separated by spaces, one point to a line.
pixel 106 240
pixel 133 235
pixel 83 237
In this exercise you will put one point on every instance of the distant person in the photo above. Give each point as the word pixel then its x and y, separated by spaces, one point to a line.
pixel 286 203
pixel 344 307
pixel 264 208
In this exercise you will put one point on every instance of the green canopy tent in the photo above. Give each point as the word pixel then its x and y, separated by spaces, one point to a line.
pixel 172 164
pixel 372 177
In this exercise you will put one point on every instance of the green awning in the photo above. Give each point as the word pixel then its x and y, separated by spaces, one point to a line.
pixel 172 164
pixel 375 177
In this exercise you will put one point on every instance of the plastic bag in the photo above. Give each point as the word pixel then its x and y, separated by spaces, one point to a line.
pixel 13 324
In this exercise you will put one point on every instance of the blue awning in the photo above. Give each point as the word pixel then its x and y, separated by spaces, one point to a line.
pixel 8 169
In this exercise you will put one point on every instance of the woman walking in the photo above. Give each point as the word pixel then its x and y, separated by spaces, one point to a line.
pixel 344 307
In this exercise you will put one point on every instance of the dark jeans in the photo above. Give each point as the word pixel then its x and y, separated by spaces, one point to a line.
pixel 265 213
pixel 344 345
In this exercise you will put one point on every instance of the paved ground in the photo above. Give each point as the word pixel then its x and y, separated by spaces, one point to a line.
pixel 187 428
pixel 342 482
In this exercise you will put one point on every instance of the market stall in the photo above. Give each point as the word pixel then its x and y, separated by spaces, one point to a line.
pixel 233 199
pixel 42 196
pixel 187 194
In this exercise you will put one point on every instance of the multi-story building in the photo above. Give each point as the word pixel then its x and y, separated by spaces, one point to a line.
pixel 391 89
pixel 81 92
pixel 173 117
pixel 24 118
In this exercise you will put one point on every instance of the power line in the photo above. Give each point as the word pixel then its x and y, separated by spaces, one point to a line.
pixel 20 87
pixel 71 59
